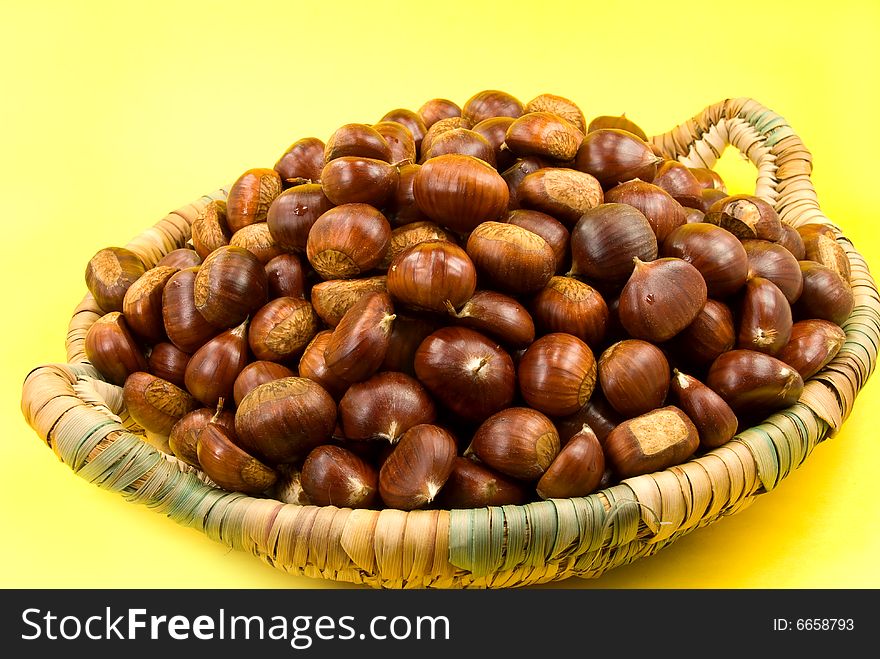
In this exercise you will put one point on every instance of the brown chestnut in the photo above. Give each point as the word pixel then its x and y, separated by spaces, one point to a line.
pixel 359 342
pixel 283 420
pixel 544 134
pixel 384 407
pixel 516 173
pixel 459 191
pixel 435 109
pixel 822 246
pixel 211 371
pixel 475 485
pixel 561 107
pixel 210 230
pixel 184 436
pixel 358 180
pixel 255 374
pixel 356 140
pixel 825 294
pixel 313 366
pixel 621 122
pixel 112 349
pixel 168 362
pixel 518 441
pixel 663 213
pixel 302 160
pixel 651 442
pixel 230 466
pixel 466 372
pixel 813 344
pixel 490 103
pixel 334 476
pixel 563 193
pixel 549 228
pixel 230 285
pixel 774 262
pixel 557 374
pixel 401 208
pixel 332 298
pixel 432 276
pixel 716 423
pixel 576 471
pixel 404 237
pixel 347 241
pixel 250 196
pixel 281 328
pixel 661 298
pixel 679 181
pixel 285 277
pixel 400 140
pixel 154 403
pixel 615 156
pixel 715 252
pixel 711 333
pixel 792 241
pixel 708 178
pixel 450 123
pixel 184 325
pixel 411 120
pixel 417 468
pixel 607 238
pixel 597 414
pixel 407 335
pixel 293 212
pixel 499 316
pixel 764 318
pixel 634 376
pixel 568 305
pixel 746 216
pixel 181 258
pixel 510 258
pixel 494 130
pixel 462 141
pixel 142 304
pixel 754 383
pixel 258 240
pixel 109 273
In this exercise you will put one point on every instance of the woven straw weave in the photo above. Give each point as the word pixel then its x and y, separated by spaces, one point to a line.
pixel 82 419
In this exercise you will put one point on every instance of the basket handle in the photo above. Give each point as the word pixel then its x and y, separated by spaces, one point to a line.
pixel 784 164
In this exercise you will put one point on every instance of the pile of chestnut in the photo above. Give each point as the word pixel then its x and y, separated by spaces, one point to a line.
pixel 463 306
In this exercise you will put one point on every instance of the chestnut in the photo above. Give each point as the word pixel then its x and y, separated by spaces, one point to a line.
pixel 557 374
pixel 549 228
pixel 679 181
pixel 348 240
pixel 302 160
pixel 211 371
pixel 813 344
pixel 597 413
pixel 711 333
pixel 404 237
pixel 432 276
pixel 621 122
pixel 401 208
pixel 230 466
pixel 181 258
pixel 765 317
pixel 494 130
pixel 112 349
pixel 400 140
pixel 441 126
pixel 825 295
pixel 518 441
pixel 334 476
pixel 459 191
pixel 255 374
pixel 607 238
pixel 746 216
pixel 821 246
pixel 466 372
pixel 230 285
pixel 283 420
pixel 384 407
pixel 407 334
pixel 358 180
pixel 435 109
pixel 754 383
pixel 475 485
pixel 168 362
pixel 576 471
pixel 210 230
pixel 708 179
pixel 490 103
pixel 258 240
pixel 413 122
pixel 293 212
pixel 716 423
pixel 651 442
pixel 661 298
pixel 184 325
pixel 792 241
pixel 154 403
pixel 719 256
pixel 516 173
pixel 774 262
pixel 568 305
pixel 663 213
pixel 249 197
pixel 499 316
pixel 510 258
pixel 561 192
pixel 633 376
pixel 561 107
pixel 543 134
pixel 313 366
pixel 615 156
pixel 417 468
pixel 281 328
pixel 356 139
pixel 332 298
pixel 109 273
pixel 358 344
pixel 285 277
pixel 184 436
pixel 462 141
pixel 142 304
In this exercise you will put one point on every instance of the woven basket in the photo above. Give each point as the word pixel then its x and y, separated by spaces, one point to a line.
pixel 83 420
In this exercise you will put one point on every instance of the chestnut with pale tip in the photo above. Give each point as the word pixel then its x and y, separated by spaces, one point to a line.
pixel 432 276
pixel 229 465
pixel 825 295
pixel 746 216
pixel 110 273
pixel 358 344
pixel 633 376
pixel 561 107
pixel 473 484
pixel 821 246
pixel 719 256
pixel 404 237
pixel 418 467
pixel 679 181
pixel 334 476
pixel 511 259
pixel 557 374
pixel 332 298
pixel 661 298
pixel 812 345
pixel 229 286
pixel 281 328
pixel 754 383
pixel 184 436
pixel 384 407
pixel 654 441
pixel 112 349
pixel 466 372
pixel 211 371
pixel 543 134
pixel 663 213
pixel 576 471
pixel 440 127
pixel 258 240
pixel 155 403
pixel 549 228
pixel 209 229
pixel 764 317
pixel 255 374
pixel 302 160
pixel 518 441
pixel 715 421
pixel 250 196
pixel 614 156
pixel 562 192
pixel 284 419
pixel 347 241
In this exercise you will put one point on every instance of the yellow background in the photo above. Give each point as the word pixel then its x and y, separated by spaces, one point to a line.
pixel 115 113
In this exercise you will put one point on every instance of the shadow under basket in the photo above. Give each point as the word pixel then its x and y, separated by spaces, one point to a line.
pixel 83 420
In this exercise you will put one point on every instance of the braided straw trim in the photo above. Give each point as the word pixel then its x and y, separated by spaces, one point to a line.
pixel 83 420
